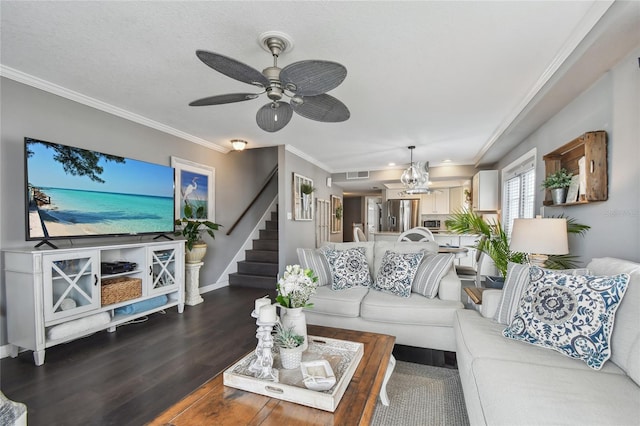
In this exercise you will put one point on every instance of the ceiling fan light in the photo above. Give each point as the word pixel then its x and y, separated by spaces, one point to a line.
pixel 238 144
pixel 274 116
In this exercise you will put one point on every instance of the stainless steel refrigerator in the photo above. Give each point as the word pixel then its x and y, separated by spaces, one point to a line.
pixel 401 215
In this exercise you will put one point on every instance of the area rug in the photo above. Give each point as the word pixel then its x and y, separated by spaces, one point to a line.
pixel 422 395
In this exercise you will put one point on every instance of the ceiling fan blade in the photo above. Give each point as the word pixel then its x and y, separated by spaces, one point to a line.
pixel 274 116
pixel 313 77
pixel 323 107
pixel 224 99
pixel 232 68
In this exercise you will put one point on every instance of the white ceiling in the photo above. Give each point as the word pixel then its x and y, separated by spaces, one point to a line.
pixel 448 77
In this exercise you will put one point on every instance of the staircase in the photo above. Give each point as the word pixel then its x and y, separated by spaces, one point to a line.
pixel 260 267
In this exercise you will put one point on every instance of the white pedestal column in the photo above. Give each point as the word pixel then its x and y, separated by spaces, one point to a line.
pixel 192 284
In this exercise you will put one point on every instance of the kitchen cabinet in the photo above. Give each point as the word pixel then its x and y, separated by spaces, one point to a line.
pixel 435 203
pixel 54 296
pixel 469 241
pixel 593 147
pixel 458 199
pixel 485 191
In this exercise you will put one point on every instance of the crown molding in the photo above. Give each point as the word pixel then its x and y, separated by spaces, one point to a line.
pixel 47 86
pixel 307 157
pixel 591 18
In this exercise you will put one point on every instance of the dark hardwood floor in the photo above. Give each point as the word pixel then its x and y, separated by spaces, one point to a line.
pixel 130 376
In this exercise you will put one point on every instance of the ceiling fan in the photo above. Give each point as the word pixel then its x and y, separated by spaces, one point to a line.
pixel 305 83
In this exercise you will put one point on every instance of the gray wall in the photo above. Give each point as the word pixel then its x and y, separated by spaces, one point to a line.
pixel 27 111
pixel 294 233
pixel 611 104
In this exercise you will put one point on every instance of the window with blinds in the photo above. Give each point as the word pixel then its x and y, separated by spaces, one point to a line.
pixel 518 190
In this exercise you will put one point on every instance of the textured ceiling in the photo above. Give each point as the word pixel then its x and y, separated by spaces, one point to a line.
pixel 448 77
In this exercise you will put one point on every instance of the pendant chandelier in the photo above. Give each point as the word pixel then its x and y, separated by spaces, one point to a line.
pixel 416 178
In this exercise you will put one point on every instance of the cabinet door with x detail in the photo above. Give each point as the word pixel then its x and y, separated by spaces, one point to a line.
pixel 163 276
pixel 71 284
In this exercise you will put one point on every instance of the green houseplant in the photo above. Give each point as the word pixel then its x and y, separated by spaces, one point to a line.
pixel 290 346
pixel 306 188
pixel 192 229
pixel 339 212
pixel 495 243
pixel 558 182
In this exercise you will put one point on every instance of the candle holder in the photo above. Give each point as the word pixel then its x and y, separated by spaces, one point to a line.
pixel 262 365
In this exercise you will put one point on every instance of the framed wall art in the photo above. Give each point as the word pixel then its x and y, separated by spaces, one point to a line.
pixel 302 195
pixel 195 188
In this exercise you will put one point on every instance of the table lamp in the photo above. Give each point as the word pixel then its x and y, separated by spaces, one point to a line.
pixel 539 237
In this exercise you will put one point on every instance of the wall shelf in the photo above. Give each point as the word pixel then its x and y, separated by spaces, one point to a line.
pixel 593 147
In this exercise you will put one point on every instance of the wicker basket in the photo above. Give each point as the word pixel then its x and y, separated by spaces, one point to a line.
pixel 116 290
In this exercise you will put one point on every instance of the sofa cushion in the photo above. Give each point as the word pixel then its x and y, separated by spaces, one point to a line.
pixel 516 281
pixel 480 337
pixel 349 267
pixel 316 261
pixel 415 309
pixel 396 272
pixel 625 340
pixel 381 247
pixel 344 303
pixel 520 393
pixel 431 270
pixel 573 315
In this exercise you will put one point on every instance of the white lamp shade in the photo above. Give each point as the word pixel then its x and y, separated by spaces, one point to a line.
pixel 540 236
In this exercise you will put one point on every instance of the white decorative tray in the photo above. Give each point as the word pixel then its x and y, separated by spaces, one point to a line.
pixel 342 356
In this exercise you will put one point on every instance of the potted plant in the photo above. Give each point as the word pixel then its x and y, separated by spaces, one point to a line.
pixel 294 290
pixel 306 189
pixel 192 229
pixel 558 182
pixel 495 242
pixel 289 344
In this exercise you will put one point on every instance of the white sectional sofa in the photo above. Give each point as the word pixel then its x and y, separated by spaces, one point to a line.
pixel 415 320
pixel 508 382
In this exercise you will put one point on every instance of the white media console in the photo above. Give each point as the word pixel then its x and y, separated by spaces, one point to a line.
pixel 54 296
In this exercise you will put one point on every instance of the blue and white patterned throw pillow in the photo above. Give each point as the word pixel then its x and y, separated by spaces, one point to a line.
pixel 349 268
pixel 396 272
pixel 571 314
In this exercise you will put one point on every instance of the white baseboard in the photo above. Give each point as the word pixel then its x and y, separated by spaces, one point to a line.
pixel 5 351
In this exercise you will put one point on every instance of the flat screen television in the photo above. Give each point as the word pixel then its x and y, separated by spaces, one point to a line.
pixel 73 192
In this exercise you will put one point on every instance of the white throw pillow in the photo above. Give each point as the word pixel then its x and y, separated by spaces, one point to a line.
pixel 515 283
pixel 313 259
pixel 430 272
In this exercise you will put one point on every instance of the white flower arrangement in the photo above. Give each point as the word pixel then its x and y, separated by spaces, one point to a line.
pixel 296 287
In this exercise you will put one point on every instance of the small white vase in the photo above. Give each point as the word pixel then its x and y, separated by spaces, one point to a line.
pixel 306 198
pixel 295 318
pixel 290 358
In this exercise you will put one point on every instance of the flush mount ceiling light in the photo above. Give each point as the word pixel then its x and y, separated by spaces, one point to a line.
pixel 305 83
pixel 238 144
pixel 416 178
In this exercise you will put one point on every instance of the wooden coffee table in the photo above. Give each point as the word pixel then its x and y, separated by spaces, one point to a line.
pixel 214 403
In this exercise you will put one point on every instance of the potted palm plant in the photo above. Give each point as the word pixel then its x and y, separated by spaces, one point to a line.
pixel 558 182
pixel 495 242
pixel 193 229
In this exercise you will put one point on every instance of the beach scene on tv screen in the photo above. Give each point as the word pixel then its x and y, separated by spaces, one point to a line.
pixel 73 192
